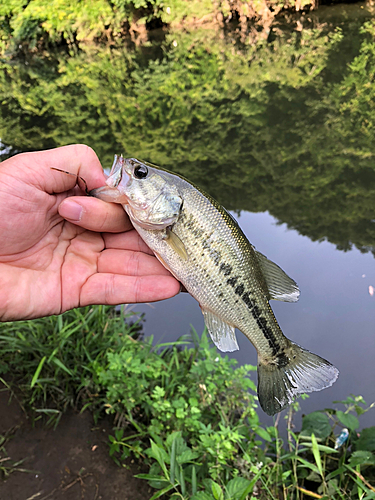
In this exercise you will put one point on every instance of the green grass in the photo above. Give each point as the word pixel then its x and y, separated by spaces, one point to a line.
pixel 185 410
pixel 52 360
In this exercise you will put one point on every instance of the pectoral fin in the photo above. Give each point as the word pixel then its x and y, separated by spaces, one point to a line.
pixel 177 245
pixel 280 285
pixel 222 334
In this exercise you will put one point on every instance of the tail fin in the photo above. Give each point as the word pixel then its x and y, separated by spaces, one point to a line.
pixel 279 383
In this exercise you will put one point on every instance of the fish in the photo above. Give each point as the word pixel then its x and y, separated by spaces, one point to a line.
pixel 203 247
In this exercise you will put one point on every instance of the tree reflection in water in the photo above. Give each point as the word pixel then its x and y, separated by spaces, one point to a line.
pixel 285 126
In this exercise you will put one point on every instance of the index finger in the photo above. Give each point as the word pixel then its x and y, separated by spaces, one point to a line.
pixel 76 159
pixel 129 240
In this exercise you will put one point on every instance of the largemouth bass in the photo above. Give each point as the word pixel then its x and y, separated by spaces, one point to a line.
pixel 200 243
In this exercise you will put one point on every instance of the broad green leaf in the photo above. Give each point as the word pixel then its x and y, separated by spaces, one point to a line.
pixel 250 487
pixel 119 433
pixel 352 399
pixel 366 440
pixel 317 423
pixel 236 487
pixel 158 484
pixel 187 456
pixel 114 448
pixel 348 420
pixel 156 453
pixel 359 410
pixel 202 495
pixel 313 476
pixel 362 457
pixel 331 488
pixel 217 491
pixel 263 434
pixel 161 483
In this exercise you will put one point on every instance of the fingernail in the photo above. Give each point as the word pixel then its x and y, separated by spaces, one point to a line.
pixel 71 210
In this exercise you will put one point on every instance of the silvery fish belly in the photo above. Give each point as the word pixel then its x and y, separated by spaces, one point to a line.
pixel 205 249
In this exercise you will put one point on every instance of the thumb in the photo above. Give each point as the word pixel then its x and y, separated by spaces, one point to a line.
pixel 41 168
pixel 94 214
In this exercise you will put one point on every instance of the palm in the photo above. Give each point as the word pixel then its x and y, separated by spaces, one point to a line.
pixel 49 265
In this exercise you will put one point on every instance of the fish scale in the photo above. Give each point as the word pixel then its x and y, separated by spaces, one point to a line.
pixel 212 244
pixel 200 243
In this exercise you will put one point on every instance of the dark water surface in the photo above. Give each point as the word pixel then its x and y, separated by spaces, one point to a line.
pixel 279 130
pixel 334 317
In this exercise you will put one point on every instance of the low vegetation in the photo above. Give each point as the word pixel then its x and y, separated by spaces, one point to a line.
pixel 185 410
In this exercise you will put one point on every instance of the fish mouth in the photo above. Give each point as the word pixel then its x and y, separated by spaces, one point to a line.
pixel 119 177
pixel 116 184
pixel 123 183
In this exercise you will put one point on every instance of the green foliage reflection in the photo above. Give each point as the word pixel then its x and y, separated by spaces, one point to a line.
pixel 285 125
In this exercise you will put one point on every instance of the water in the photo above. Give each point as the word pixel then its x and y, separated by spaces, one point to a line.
pixel 334 317
pixel 280 131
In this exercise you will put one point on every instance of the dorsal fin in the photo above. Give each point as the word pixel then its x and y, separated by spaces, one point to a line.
pixel 280 285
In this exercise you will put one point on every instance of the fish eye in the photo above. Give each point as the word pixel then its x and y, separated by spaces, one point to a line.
pixel 140 172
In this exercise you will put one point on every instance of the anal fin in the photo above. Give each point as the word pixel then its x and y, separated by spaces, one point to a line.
pixel 222 334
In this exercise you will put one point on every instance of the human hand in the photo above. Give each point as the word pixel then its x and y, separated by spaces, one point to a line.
pixel 58 253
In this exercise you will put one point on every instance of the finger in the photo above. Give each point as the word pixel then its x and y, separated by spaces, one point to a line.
pixel 77 159
pixel 94 214
pixel 114 289
pixel 127 241
pixel 130 263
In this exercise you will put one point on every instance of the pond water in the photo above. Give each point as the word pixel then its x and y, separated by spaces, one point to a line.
pixel 334 317
pixel 278 128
